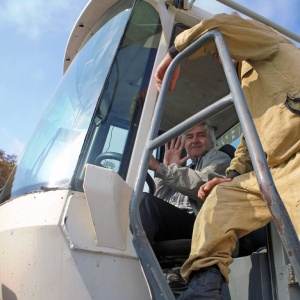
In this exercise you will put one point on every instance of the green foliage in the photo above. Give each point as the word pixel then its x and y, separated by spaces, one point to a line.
pixel 109 164
pixel 7 163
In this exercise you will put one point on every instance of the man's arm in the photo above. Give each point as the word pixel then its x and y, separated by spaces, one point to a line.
pixel 188 181
pixel 161 70
pixel 162 189
pixel 246 39
pixel 241 162
pixel 172 155
pixel 206 188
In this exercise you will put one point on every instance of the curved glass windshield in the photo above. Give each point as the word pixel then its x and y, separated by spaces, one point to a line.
pixel 52 153
pixel 94 113
pixel 111 135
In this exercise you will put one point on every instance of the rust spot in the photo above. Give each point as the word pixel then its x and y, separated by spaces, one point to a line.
pixel 279 226
pixel 266 193
pixel 262 166
pixel 290 253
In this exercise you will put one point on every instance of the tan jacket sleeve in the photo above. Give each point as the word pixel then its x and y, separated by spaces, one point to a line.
pixel 246 39
pixel 241 161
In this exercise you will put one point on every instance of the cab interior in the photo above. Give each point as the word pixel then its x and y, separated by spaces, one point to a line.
pixel 201 83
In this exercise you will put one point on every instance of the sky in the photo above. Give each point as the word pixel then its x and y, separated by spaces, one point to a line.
pixel 34 37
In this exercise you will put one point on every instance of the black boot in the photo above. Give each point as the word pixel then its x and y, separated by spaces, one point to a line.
pixel 206 284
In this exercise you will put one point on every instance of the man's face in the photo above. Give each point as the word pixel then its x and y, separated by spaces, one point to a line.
pixel 197 141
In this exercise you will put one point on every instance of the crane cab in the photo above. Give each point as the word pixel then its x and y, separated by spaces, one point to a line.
pixel 64 214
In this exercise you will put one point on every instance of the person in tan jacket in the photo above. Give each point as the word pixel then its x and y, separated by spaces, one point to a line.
pixel 268 67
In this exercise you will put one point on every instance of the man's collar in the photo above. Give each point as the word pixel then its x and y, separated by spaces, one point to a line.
pixel 196 161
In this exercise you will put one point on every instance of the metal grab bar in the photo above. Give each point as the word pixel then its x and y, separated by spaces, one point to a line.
pixel 158 285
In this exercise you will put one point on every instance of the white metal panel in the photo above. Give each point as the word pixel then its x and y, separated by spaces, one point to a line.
pixel 108 195
pixel 28 210
pixel 79 229
pixel 84 28
pixel 36 261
